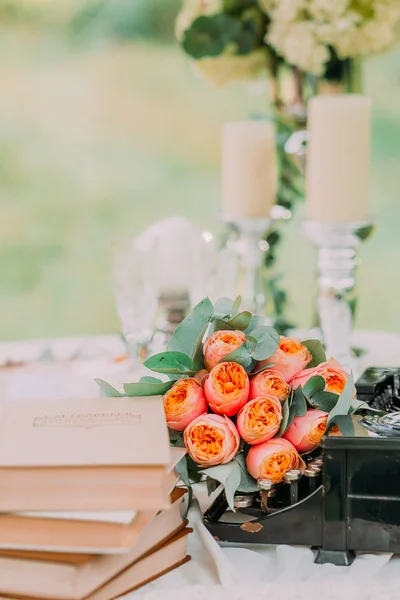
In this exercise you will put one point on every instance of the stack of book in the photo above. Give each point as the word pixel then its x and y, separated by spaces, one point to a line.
pixel 88 503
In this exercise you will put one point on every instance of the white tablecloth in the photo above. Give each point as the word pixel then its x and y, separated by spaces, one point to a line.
pixel 214 573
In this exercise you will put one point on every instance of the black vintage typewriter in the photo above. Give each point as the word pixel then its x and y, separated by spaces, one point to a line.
pixel 348 498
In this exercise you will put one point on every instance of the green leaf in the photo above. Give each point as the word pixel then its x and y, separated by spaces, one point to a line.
pixel 212 485
pixel 299 403
pixel 254 322
pixel 220 325
pixel 252 339
pixel 181 469
pixel 170 362
pixel 267 342
pixel 176 438
pixel 313 385
pixel 194 470
pixel 343 405
pixel 208 36
pixel 247 482
pixel 317 353
pixel 241 356
pixel 236 306
pixel 285 418
pixel 269 366
pixel 241 321
pixel 223 306
pixel 107 390
pixel 147 389
pixel 149 379
pixel 345 424
pixel 189 334
pixel 324 401
pixel 229 475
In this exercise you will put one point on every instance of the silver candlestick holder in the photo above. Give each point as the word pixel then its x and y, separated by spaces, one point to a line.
pixel 247 241
pixel 337 264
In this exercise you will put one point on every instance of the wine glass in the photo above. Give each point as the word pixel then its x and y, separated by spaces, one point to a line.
pixel 135 291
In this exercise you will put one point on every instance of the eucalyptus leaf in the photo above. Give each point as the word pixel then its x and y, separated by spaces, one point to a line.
pixel 220 325
pixel 247 483
pixel 345 424
pixel 317 352
pixel 147 389
pixel 313 385
pixel 343 405
pixel 252 339
pixel 189 333
pixel 224 306
pixel 170 362
pixel 325 401
pixel 195 474
pixel 181 469
pixel 267 342
pixel 107 390
pixel 149 379
pixel 229 475
pixel 269 366
pixel 285 418
pixel 240 321
pixel 254 322
pixel 299 403
pixel 236 305
pixel 241 356
pixel 212 485
pixel 176 438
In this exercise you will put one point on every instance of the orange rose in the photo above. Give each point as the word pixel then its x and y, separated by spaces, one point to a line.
pixel 259 420
pixel 220 344
pixel 227 388
pixel 290 358
pixel 184 402
pixel 273 459
pixel 331 370
pixel 269 383
pixel 305 432
pixel 211 440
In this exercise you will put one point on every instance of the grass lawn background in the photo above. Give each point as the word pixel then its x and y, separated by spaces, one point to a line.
pixel 100 141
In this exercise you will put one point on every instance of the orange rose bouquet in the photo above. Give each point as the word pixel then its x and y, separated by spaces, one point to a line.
pixel 245 402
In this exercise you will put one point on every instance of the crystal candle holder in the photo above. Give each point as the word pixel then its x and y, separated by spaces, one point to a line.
pixel 337 264
pixel 248 244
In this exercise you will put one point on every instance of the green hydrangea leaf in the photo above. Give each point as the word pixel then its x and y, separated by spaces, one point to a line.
pixel 208 36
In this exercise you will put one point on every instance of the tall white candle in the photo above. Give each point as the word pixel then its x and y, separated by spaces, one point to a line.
pixel 338 158
pixel 249 169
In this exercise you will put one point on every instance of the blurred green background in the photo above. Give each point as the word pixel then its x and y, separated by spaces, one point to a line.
pixel 105 127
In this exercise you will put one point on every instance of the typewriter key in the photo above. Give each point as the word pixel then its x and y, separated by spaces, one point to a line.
pixel 292 478
pixel 267 489
pixel 242 501
pixel 312 474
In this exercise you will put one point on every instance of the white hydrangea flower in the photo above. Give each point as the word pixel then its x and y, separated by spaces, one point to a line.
pixel 192 9
pixel 299 45
pixel 303 31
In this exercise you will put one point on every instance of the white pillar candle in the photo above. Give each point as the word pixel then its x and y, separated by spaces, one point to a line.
pixel 338 157
pixel 249 169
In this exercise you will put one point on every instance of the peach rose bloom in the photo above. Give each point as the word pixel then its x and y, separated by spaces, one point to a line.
pixel 220 344
pixel 290 358
pixel 331 370
pixel 269 383
pixel 227 388
pixel 305 432
pixel 273 459
pixel 184 402
pixel 259 420
pixel 211 440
